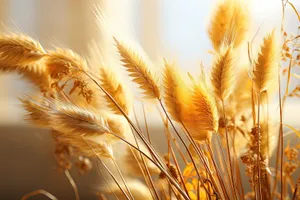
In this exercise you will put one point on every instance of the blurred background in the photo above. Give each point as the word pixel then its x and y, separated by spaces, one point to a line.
pixel 171 28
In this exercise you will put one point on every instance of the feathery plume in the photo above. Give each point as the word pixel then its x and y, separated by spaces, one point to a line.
pixel 37 113
pixel 20 50
pixel 201 117
pixel 228 24
pixel 66 118
pixel 73 120
pixel 88 146
pixel 223 73
pixel 266 66
pixel 176 93
pixel 116 89
pixel 139 71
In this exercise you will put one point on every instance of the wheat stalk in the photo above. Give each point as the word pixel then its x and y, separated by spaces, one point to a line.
pixel 37 113
pixel 89 146
pixel 139 71
pixel 201 117
pixel 20 50
pixel 176 93
pixel 223 73
pixel 115 88
pixel 70 119
pixel 228 24
pixel 266 66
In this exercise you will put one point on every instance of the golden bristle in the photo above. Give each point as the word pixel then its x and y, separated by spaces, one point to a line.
pixel 223 73
pixel 88 146
pixel 228 24
pixel 266 67
pixel 64 62
pixel 72 120
pixel 115 88
pixel 20 50
pixel 201 117
pixel 139 71
pixel 176 93
pixel 37 114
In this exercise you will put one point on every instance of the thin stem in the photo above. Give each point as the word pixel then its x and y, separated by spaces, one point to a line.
pixel 147 176
pixel 202 158
pixel 105 180
pixel 170 136
pixel 258 146
pixel 223 157
pixel 178 169
pixel 155 154
pixel 155 163
pixel 109 172
pixel 186 147
pixel 73 184
pixel 228 149
pixel 146 168
pixel 37 192
pixel 281 138
pixel 142 170
pixel 295 191
pixel 120 174
pixel 181 139
pixel 146 124
pixel 279 144
pixel 102 197
pixel 216 167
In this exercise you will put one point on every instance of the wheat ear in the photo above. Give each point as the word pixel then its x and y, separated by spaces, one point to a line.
pixel 266 66
pixel 115 88
pixel 176 92
pixel 89 146
pixel 20 50
pixel 223 73
pixel 37 113
pixel 201 117
pixel 72 120
pixel 228 24
pixel 139 71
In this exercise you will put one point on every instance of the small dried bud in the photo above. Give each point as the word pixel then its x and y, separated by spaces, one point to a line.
pixel 247 158
pixel 291 153
pixel 290 168
pixel 84 165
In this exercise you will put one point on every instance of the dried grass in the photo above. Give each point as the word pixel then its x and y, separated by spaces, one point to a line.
pixel 139 71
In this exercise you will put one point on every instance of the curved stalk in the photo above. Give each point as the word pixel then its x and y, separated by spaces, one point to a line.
pixel 74 186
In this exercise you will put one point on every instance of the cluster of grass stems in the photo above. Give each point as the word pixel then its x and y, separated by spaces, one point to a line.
pixel 218 126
